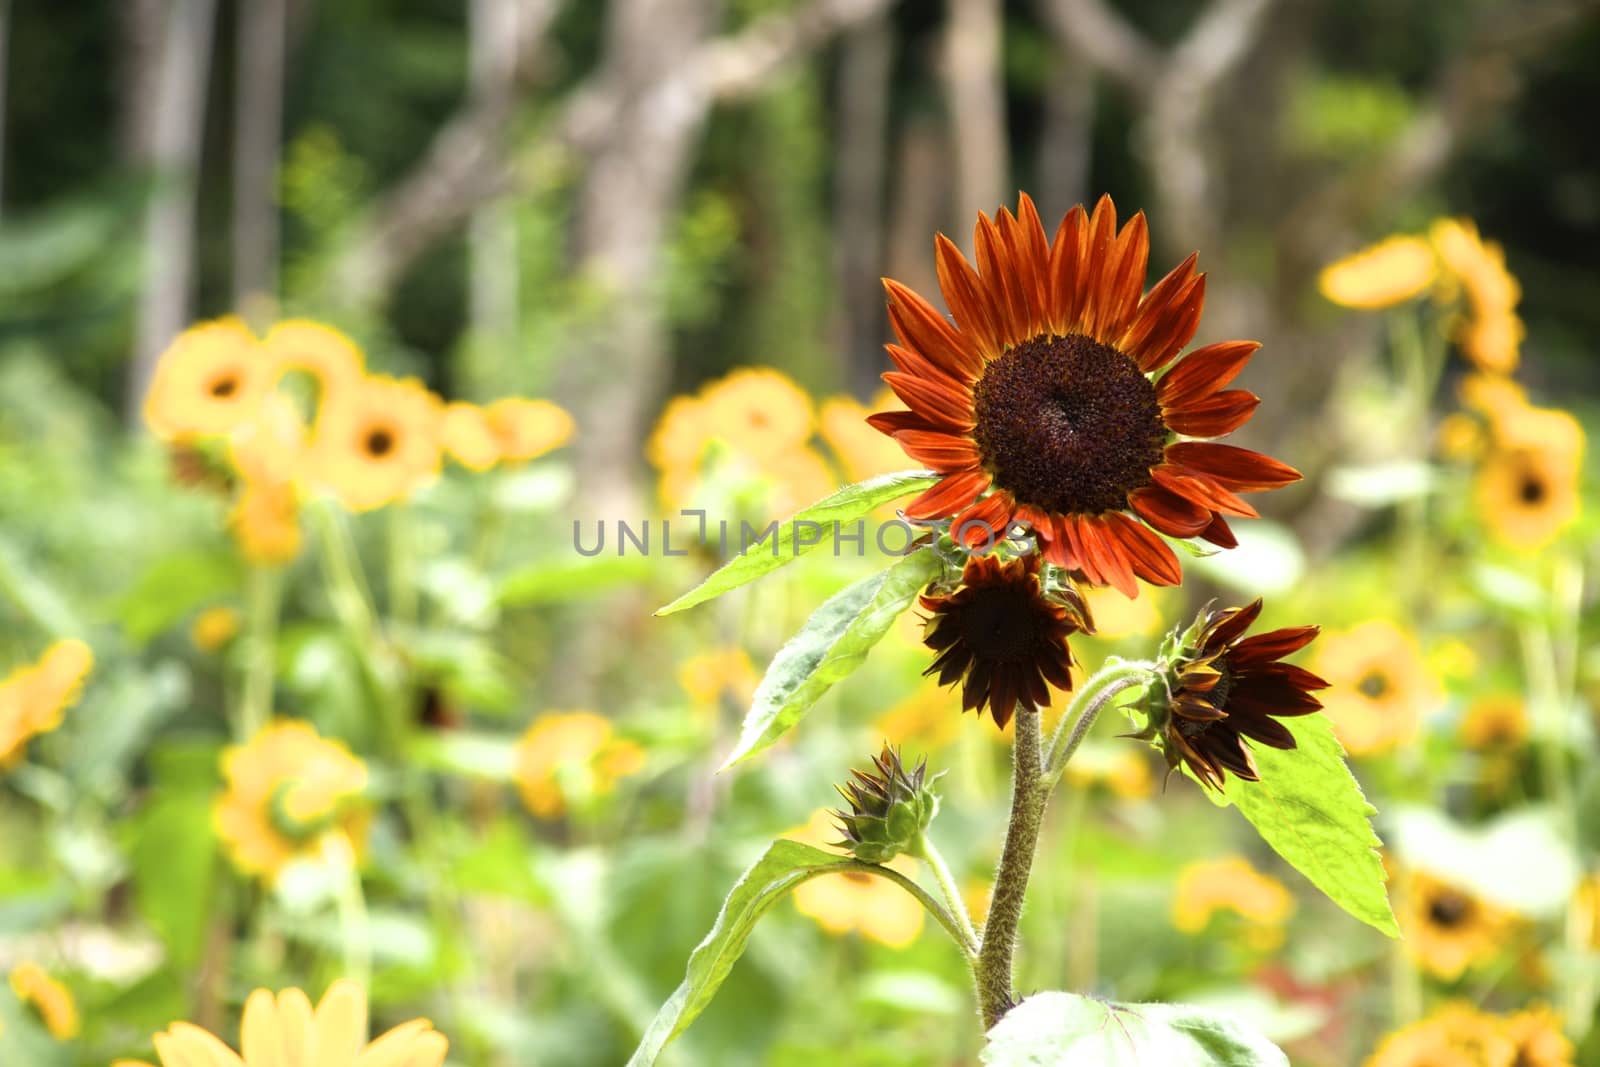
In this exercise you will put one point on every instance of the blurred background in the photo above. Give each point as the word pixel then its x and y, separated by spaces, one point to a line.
pixel 621 207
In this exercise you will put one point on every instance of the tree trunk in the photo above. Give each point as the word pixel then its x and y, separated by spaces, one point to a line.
pixel 257 153
pixel 975 84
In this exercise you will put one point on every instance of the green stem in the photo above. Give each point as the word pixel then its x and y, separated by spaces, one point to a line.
pixel 924 848
pixel 402 565
pixel 263 594
pixel 934 908
pixel 1086 706
pixel 996 955
pixel 355 925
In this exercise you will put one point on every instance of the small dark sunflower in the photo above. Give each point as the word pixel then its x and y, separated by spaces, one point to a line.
pixel 1226 687
pixel 1040 404
pixel 1004 635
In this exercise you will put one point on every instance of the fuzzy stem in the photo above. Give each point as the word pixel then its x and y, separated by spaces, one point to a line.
pixel 1086 706
pixel 263 591
pixel 924 848
pixel 993 972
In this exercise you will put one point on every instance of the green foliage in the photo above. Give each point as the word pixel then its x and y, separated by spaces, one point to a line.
pixel 1310 809
pixel 843 506
pixel 831 645
pixel 1047 1029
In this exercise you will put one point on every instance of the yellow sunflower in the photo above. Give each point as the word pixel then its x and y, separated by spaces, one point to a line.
pixel 1493 396
pixel 527 429
pixel 1537 1040
pixel 214 628
pixel 270 446
pixel 285 1031
pixel 571 755
pixel 922 721
pixel 1230 885
pixel 208 381
pixel 265 523
pixel 1490 334
pixel 1447 928
pixel 710 676
pixel 1527 488
pixel 853 902
pixel 50 998
pixel 34 699
pixel 1497 722
pixel 680 437
pixel 288 791
pixel 380 443
pixel 1457 1035
pixel 467 437
pixel 333 362
pixel 1379 686
pixel 1394 270
pixel 860 451
pixel 760 411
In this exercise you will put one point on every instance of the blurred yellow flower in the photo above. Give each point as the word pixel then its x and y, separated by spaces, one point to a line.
pixel 570 755
pixel 1527 488
pixel 1123 769
pixel 799 478
pixel 1447 929
pixel 526 429
pixel 265 523
pixel 976 896
pixel 1493 396
pixel 333 362
pixel 208 380
pixel 1394 270
pixel 467 437
pixel 924 721
pixel 288 790
pixel 861 451
pixel 285 1031
pixel 1492 340
pixel 852 901
pixel 1456 1035
pixel 759 411
pixel 213 628
pixel 709 676
pixel 1490 334
pixel 680 437
pixel 1379 686
pixel 1586 911
pixel 1232 885
pixel 379 444
pixel 1537 1040
pixel 34 699
pixel 1460 436
pixel 270 446
pixel 1116 616
pixel 49 997
pixel 1495 722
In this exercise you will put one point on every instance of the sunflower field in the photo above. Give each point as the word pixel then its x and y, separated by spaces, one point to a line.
pixel 538 533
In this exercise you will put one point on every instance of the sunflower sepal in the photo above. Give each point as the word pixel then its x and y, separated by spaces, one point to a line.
pixel 890 808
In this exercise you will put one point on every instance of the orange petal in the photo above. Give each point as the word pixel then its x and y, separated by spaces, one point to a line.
pixel 1064 285
pixel 1111 559
pixel 1218 414
pixel 1152 559
pixel 1202 489
pixel 943 452
pixel 966 296
pixel 949 496
pixel 1140 340
pixel 1122 281
pixel 1001 276
pixel 985 523
pixel 923 395
pixel 1173 515
pixel 1204 371
pixel 1095 257
pixel 1233 467
pixel 921 327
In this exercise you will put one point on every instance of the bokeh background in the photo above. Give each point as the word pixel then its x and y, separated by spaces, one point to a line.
pixel 622 208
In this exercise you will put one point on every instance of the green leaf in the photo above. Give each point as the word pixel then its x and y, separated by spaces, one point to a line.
pixel 174 866
pixel 832 644
pixel 845 505
pixel 1054 1028
pixel 785 865
pixel 174 587
pixel 1310 809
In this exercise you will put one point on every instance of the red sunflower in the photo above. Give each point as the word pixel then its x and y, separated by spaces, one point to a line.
pixel 1038 404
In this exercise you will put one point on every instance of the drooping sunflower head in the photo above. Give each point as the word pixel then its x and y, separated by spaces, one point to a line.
pixel 1003 635
pixel 1226 689
pixel 379 444
pixel 208 381
pixel 1040 403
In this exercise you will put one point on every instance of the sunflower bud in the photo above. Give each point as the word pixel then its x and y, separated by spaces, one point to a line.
pixel 889 808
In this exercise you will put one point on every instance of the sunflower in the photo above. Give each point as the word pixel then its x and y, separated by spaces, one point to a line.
pixel 1537 1040
pixel 854 901
pixel 467 437
pixel 288 791
pixel 1495 723
pixel 207 381
pixel 1003 635
pixel 214 628
pixel 922 720
pixel 1226 687
pixel 527 429
pixel 760 411
pixel 34 699
pixel 270 446
pixel 860 451
pixel 1527 487
pixel 570 756
pixel 380 443
pixel 1490 333
pixel 285 1031
pixel 1456 1035
pixel 49 997
pixel 1447 928
pixel 1230 885
pixel 1380 686
pixel 1394 270
pixel 709 677
pixel 331 361
pixel 1040 395
pixel 265 522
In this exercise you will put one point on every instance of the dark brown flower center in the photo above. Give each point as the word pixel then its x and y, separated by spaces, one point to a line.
pixel 1000 623
pixel 224 386
pixel 1449 908
pixel 1068 425
pixel 1531 491
pixel 1219 692
pixel 1374 685
pixel 378 443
